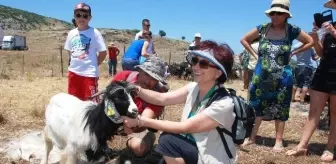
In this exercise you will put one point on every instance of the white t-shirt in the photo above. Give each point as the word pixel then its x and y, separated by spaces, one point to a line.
pixel 209 144
pixel 150 46
pixel 84 46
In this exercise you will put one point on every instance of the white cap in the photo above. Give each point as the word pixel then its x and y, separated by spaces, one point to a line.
pixel 198 35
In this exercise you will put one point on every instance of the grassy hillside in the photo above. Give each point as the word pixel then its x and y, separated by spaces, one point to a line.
pixel 17 19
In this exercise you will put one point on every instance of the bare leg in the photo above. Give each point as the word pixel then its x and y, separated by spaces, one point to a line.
pixel 245 80
pixel 48 145
pixel 293 93
pixel 170 160
pixel 328 156
pixel 252 138
pixel 279 129
pixel 297 94
pixel 303 93
pixel 317 102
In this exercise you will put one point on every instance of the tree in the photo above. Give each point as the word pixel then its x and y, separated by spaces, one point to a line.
pixel 162 33
pixel 183 37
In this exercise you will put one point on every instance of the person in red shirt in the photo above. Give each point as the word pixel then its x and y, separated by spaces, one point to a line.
pixel 150 75
pixel 113 52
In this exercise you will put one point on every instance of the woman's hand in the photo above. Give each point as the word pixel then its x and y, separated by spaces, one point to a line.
pixel 328 27
pixel 130 122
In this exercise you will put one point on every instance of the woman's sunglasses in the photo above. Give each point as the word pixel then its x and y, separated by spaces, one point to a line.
pixel 85 16
pixel 204 64
pixel 276 13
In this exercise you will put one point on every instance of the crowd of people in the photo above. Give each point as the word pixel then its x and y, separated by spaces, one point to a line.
pixel 272 84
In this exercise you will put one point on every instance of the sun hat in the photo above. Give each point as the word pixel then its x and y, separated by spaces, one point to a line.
pixel 279 6
pixel 197 35
pixel 83 6
pixel 154 67
pixel 330 4
pixel 209 55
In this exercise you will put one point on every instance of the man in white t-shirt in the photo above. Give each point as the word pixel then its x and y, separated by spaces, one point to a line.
pixel 146 27
pixel 195 45
pixel 83 43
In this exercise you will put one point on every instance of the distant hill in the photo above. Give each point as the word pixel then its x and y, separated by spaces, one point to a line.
pixel 16 19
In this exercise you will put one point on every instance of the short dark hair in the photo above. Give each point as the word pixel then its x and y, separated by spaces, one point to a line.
pixel 145 20
pixel 149 33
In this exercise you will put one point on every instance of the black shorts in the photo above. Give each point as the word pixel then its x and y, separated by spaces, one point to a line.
pixel 324 81
pixel 303 76
pixel 177 146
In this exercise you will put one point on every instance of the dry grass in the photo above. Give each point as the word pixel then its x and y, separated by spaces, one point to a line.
pixel 22 109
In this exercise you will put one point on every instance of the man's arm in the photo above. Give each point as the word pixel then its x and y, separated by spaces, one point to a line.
pixel 118 51
pixel 148 113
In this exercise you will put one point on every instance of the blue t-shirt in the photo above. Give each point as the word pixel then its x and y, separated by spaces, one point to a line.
pixel 305 58
pixel 134 50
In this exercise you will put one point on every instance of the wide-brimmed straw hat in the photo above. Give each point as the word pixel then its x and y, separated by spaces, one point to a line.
pixel 330 4
pixel 279 6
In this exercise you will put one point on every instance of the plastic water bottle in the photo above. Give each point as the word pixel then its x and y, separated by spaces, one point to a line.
pixel 321 32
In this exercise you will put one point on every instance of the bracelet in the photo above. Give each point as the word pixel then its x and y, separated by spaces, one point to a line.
pixel 139 121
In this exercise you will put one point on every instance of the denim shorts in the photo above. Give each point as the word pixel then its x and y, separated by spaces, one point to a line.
pixel 129 64
pixel 303 76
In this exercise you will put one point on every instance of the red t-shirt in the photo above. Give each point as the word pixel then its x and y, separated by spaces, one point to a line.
pixel 113 53
pixel 123 75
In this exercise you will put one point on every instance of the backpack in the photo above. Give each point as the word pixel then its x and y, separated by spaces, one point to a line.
pixel 244 120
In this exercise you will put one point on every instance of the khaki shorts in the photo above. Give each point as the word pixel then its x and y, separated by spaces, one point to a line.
pixel 147 137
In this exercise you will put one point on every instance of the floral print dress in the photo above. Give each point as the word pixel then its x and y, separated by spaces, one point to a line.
pixel 272 82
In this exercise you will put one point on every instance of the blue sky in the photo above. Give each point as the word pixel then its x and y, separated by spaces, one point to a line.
pixel 220 20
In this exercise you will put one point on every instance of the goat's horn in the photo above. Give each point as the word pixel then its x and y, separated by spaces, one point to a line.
pixel 98 93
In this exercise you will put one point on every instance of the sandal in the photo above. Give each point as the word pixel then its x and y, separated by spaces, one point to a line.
pixel 297 152
pixel 327 156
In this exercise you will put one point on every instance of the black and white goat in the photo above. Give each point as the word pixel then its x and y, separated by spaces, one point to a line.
pixel 81 128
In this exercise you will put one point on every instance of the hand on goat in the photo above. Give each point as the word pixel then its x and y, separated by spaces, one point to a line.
pixel 131 123
pixel 127 130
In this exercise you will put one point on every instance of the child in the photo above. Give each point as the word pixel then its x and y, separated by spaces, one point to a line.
pixel 83 43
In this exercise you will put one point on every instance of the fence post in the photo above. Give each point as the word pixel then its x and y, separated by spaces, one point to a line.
pixel 52 65
pixel 23 63
pixel 61 60
pixel 169 57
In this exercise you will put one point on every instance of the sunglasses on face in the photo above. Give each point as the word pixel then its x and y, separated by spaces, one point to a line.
pixel 147 25
pixel 276 13
pixel 204 64
pixel 85 16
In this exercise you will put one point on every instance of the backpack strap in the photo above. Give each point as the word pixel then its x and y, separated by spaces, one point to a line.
pixel 131 76
pixel 216 95
pixel 226 146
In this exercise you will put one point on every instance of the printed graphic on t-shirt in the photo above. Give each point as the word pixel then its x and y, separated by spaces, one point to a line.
pixel 80 45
